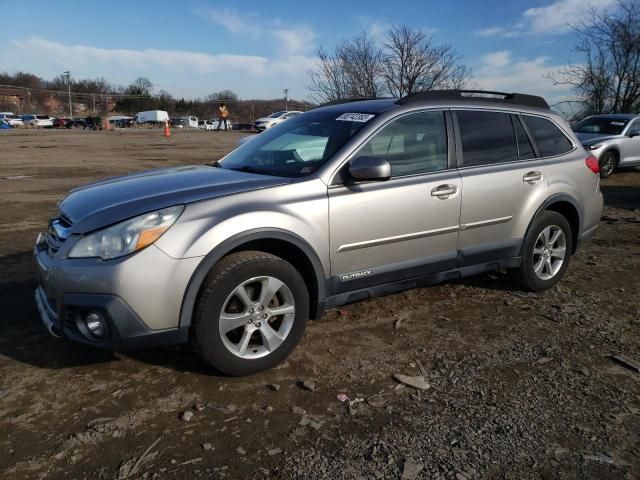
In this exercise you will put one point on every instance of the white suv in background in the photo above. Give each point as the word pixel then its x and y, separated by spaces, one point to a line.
pixel 274 119
pixel 43 121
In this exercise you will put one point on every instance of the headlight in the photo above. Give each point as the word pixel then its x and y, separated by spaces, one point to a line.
pixel 594 147
pixel 128 236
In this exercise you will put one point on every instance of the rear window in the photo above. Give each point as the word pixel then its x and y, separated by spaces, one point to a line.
pixel 487 138
pixel 43 117
pixel 549 138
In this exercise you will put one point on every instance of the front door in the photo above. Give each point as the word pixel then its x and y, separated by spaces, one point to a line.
pixel 406 226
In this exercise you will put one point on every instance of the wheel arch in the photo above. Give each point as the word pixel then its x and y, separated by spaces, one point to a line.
pixel 284 244
pixel 569 208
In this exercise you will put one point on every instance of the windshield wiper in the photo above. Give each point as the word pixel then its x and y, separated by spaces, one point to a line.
pixel 248 169
pixel 215 163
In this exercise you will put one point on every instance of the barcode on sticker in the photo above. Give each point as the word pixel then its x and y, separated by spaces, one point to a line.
pixel 355 117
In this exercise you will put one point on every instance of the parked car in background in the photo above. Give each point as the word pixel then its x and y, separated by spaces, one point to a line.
pixel 94 123
pixel 154 117
pixel 190 122
pixel 61 122
pixel 339 204
pixel 274 119
pixel 76 123
pixel 42 121
pixel 216 124
pixel 613 139
pixel 205 125
pixel 176 122
pixel 120 121
pixel 11 119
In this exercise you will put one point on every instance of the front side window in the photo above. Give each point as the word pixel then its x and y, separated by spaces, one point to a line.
pixel 550 140
pixel 487 138
pixel 412 144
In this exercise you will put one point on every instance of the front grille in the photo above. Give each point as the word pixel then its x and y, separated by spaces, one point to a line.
pixel 57 233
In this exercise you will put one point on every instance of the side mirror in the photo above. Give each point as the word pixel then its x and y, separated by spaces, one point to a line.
pixel 634 133
pixel 370 168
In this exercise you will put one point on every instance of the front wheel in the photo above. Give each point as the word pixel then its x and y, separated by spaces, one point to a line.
pixel 251 313
pixel 546 252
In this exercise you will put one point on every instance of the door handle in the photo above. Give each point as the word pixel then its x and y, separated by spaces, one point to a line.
pixel 532 177
pixel 444 191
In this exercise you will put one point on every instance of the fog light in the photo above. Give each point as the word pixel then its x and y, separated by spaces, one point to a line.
pixel 95 324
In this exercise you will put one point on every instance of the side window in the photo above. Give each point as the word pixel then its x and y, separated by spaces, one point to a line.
pixel 635 125
pixel 550 140
pixel 525 150
pixel 487 138
pixel 413 144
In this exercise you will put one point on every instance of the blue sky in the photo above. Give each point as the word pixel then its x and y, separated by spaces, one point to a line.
pixel 193 47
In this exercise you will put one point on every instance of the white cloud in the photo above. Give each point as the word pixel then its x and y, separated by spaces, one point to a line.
pixel 294 40
pixel 230 20
pixel 497 59
pixel 77 56
pixel 554 18
pixel 289 39
pixel 497 71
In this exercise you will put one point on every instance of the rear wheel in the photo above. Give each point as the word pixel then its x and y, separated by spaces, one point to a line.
pixel 608 163
pixel 251 313
pixel 545 253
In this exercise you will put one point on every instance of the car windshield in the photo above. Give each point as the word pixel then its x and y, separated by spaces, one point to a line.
pixel 276 115
pixel 294 148
pixel 43 117
pixel 602 125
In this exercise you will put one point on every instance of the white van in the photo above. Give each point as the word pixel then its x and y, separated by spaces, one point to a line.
pixel 152 116
pixel 190 122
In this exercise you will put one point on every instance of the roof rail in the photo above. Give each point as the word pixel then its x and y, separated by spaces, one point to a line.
pixel 476 95
pixel 351 99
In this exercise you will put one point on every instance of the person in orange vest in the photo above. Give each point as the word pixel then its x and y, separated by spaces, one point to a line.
pixel 223 115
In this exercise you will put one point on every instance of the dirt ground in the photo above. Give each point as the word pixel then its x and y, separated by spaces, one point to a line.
pixel 522 385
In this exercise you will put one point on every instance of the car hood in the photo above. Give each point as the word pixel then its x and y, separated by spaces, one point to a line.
pixel 592 138
pixel 115 199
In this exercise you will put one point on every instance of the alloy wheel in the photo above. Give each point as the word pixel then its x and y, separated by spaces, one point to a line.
pixel 549 252
pixel 257 317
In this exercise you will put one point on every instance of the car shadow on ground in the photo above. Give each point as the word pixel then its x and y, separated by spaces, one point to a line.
pixel 24 338
pixel 621 196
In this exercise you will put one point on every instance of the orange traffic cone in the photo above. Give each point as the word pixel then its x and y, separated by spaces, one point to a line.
pixel 167 132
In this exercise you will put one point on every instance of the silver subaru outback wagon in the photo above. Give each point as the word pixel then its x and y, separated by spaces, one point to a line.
pixel 344 202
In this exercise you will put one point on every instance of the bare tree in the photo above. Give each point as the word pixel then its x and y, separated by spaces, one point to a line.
pixel 353 70
pixel 413 63
pixel 407 62
pixel 608 81
pixel 227 95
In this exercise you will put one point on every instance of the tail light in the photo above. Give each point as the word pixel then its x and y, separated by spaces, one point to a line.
pixel 593 164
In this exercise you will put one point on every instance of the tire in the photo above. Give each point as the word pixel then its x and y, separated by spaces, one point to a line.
pixel 535 274
pixel 234 287
pixel 608 164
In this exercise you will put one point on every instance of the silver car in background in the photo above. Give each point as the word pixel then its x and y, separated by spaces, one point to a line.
pixel 274 119
pixel 613 139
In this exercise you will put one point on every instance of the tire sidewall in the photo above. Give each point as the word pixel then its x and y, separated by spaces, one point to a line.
pixel 604 155
pixel 215 352
pixel 545 220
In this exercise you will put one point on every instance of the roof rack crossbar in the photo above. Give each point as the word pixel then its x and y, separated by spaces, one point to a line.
pixel 476 95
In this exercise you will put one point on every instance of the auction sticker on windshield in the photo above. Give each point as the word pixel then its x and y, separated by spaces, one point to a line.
pixel 355 117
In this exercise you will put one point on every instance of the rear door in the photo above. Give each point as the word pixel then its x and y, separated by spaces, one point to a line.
pixel 404 227
pixel 501 177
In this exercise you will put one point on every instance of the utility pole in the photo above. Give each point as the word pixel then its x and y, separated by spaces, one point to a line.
pixel 68 75
pixel 286 99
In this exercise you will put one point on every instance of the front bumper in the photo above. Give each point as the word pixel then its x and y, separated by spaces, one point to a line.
pixel 139 297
